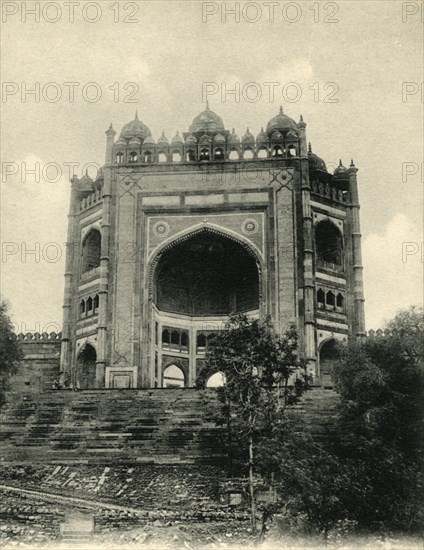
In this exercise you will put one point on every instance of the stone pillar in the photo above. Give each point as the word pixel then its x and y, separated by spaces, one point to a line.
pixel 308 254
pixel 358 284
pixel 102 333
pixel 68 317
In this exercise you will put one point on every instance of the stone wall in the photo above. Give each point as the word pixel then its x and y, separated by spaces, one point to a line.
pixel 41 363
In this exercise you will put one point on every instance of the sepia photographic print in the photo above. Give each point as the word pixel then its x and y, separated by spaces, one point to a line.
pixel 212 275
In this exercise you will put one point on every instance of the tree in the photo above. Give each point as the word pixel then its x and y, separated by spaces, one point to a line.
pixel 257 364
pixel 10 351
pixel 311 480
pixel 380 381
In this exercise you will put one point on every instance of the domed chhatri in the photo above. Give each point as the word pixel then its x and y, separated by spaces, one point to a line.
pixel 281 122
pixel 248 138
pixel 340 168
pixel 177 139
pixel 207 121
pixel 135 128
pixel 315 162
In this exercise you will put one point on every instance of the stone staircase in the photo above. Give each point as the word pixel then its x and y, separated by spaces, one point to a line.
pixel 158 426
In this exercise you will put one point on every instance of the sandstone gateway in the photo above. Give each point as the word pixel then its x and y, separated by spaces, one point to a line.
pixel 174 235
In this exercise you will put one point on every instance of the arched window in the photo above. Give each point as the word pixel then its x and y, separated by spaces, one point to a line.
pixel 119 158
pixel 277 151
pixel 201 343
pixel 166 338
pixel 175 338
pixel 96 303
pixel 173 377
pixel 234 155
pixel 176 156
pixel 320 298
pixel 204 154
pixel 217 380
pixel 329 245
pixel 91 250
pixel 86 371
pixel 248 153
pixel 191 156
pixel 291 149
pixel 133 156
pixel 330 299
pixel 219 154
pixel 148 157
pixel 82 308
pixel 340 301
pixel 184 340
pixel 89 306
pixel 162 157
pixel 262 153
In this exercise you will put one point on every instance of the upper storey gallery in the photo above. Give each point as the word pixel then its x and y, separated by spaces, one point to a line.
pixel 208 140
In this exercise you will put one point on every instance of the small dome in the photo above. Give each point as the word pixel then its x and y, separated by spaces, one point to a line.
pixel 234 139
pixel 340 168
pixel 121 142
pixel 207 121
pixel 280 122
pixel 163 140
pixel 177 139
pixel 277 136
pixel 248 138
pixel 149 141
pixel 219 138
pixel 135 128
pixel 262 137
pixel 205 139
pixel 86 183
pixel 191 139
pixel 292 134
pixel 135 142
pixel 315 162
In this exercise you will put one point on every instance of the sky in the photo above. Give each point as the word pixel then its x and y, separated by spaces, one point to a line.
pixel 353 69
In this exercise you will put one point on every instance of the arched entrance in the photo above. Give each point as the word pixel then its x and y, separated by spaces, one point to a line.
pixel 197 283
pixel 173 377
pixel 87 368
pixel 328 357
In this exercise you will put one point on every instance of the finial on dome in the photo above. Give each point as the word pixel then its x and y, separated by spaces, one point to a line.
pixel 233 132
pixel 110 126
pixel 309 147
pixel 340 162
pixel 301 118
pixel 281 110
pixel 248 131
pixel 207 105
pixel 352 163
pixel 136 115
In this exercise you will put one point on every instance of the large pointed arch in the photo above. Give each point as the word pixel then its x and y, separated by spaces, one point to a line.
pixel 212 229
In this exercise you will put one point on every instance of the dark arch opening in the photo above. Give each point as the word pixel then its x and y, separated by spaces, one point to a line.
pixel 91 248
pixel 204 154
pixel 87 368
pixel 207 274
pixel 329 356
pixel 329 244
